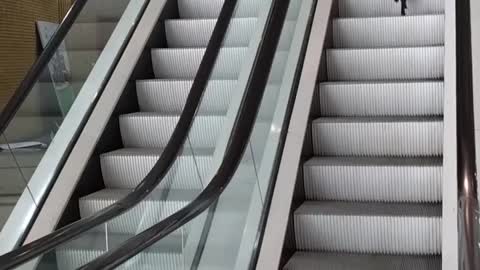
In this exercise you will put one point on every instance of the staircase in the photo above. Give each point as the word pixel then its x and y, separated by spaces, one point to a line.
pixel 146 133
pixel 373 188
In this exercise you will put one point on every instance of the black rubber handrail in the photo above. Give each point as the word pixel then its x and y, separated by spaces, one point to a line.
pixel 239 138
pixel 159 170
pixel 26 86
pixel 468 208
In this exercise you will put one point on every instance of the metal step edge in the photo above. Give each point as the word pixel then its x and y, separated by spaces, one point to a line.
pixel 350 179
pixel 400 229
pixel 149 130
pixel 336 261
pixel 383 32
pixel 381 99
pixel 377 8
pixel 411 63
pixel 126 168
pixel 196 33
pixel 378 136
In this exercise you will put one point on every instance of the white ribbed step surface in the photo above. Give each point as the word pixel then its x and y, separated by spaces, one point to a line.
pixel 147 213
pixel 339 261
pixel 126 168
pixel 384 32
pixel 381 98
pixel 166 254
pixel 169 96
pixel 154 130
pixel 202 9
pixel 189 33
pixel 385 64
pixel 378 8
pixel 369 227
pixel 184 63
pixel 197 33
pixel 378 136
pixel 373 179
pixel 89 36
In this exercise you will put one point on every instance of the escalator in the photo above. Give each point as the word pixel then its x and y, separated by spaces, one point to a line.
pixel 373 188
pixel 183 54
pixel 273 134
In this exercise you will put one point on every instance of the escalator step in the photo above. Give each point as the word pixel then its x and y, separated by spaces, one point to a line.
pixel 409 31
pixel 421 98
pixel 206 9
pixel 184 63
pixel 373 179
pixel 381 8
pixel 410 229
pixel 126 168
pixel 385 64
pixel 154 130
pixel 338 261
pixel 378 136
pixel 147 213
pixel 169 96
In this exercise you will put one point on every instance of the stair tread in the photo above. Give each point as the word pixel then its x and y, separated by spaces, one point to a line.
pixel 374 161
pixel 405 210
pixel 346 261
pixel 156 152
pixel 383 49
pixel 379 8
pixel 110 194
pixel 386 82
pixel 376 119
pixel 163 115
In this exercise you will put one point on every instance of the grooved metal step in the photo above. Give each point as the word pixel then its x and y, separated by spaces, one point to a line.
pixel 378 136
pixel 409 31
pixel 147 213
pixel 373 179
pixel 189 33
pixel 126 168
pixel 89 36
pixel 203 9
pixel 166 254
pixel 153 130
pixel 379 8
pixel 169 96
pixel 420 98
pixel 196 33
pixel 339 261
pixel 369 228
pixel 184 63
pixel 385 64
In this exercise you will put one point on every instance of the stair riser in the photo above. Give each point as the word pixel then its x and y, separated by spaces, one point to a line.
pixel 381 8
pixel 389 32
pixel 126 172
pixel 374 183
pixel 155 131
pixel 385 64
pixel 73 259
pixel 402 99
pixel 197 33
pixel 136 220
pixel 374 234
pixel 378 139
pixel 183 64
